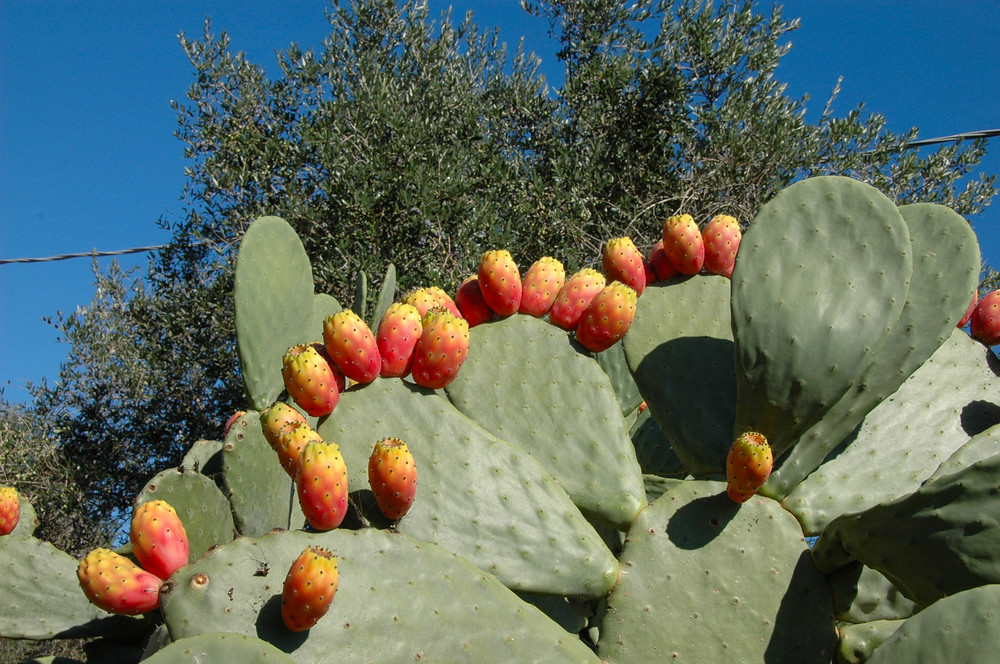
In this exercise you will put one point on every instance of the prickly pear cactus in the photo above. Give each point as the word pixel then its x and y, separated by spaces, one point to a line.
pixel 572 506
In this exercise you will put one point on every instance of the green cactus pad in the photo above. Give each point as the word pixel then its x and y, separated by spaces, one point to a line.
pixel 480 497
pixel 613 362
pixel 860 594
pixel 822 276
pixel 653 451
pixel 27 519
pixel 963 628
pixel 42 598
pixel 858 642
pixel 979 447
pixel 199 503
pixel 707 580
pixel 220 647
pixel 515 384
pixel 398 600
pixel 680 350
pixel 954 395
pixel 386 296
pixel 945 273
pixel 205 457
pixel 273 300
pixel 936 542
pixel 324 306
pixel 260 491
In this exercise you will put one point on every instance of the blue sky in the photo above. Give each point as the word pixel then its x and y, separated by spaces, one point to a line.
pixel 88 159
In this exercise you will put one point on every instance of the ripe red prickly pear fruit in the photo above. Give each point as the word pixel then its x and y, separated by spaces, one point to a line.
pixel 321 483
pixel 984 325
pixel 159 541
pixel 722 237
pixel 309 588
pixel 351 345
pixel 274 417
pixel 575 296
pixel 10 509
pixel 748 466
pixel 311 378
pixel 392 475
pixel 972 307
pixel 396 338
pixel 428 297
pixel 607 318
pixel 114 583
pixel 232 418
pixel 540 285
pixel 660 263
pixel 622 261
pixel 441 350
pixel 471 303
pixel 500 282
pixel 684 244
pixel 291 440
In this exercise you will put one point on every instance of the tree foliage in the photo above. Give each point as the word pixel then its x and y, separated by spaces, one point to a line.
pixel 424 141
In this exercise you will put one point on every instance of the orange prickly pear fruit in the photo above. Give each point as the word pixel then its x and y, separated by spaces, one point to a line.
pixel 441 350
pixel 722 238
pixel 622 261
pixel 428 297
pixel 321 483
pixel 312 379
pixel 114 583
pixel 292 439
pixel 351 345
pixel 984 325
pixel 469 299
pixel 684 244
pixel 397 336
pixel 540 285
pixel 232 418
pixel 392 475
pixel 608 317
pixel 276 416
pixel 575 296
pixel 660 263
pixel 10 509
pixel 748 466
pixel 159 541
pixel 500 282
pixel 309 588
pixel 972 307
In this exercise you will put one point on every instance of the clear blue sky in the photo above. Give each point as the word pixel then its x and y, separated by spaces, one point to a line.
pixel 88 159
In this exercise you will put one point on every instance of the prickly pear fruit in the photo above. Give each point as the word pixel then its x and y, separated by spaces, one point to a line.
pixel 397 336
pixel 159 541
pixel 292 438
pixel 722 240
pixel 114 583
pixel 622 261
pixel 321 483
pixel 500 282
pixel 309 588
pixel 575 296
pixel 428 297
pixel 540 285
pixel 441 350
pixel 351 345
pixel 274 417
pixel 10 509
pixel 392 475
pixel 660 263
pixel 748 466
pixel 469 299
pixel 984 325
pixel 972 307
pixel 607 318
pixel 312 379
pixel 232 418
pixel 684 244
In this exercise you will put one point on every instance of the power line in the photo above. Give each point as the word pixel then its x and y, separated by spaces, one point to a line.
pixel 84 254
pixel 986 133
